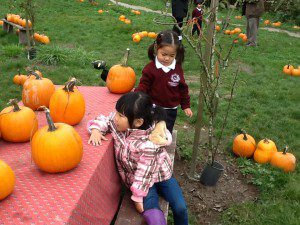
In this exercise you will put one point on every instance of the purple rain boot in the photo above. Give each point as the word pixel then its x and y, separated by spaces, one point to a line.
pixel 154 217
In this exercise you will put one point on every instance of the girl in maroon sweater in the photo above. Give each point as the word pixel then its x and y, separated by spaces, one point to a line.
pixel 163 77
pixel 197 17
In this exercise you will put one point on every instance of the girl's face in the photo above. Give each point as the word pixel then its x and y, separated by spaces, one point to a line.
pixel 166 54
pixel 121 122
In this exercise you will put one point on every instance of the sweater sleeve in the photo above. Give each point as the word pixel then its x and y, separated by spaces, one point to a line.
pixel 184 94
pixel 100 123
pixel 146 166
pixel 145 81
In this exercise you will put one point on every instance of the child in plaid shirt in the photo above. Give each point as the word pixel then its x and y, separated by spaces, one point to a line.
pixel 144 165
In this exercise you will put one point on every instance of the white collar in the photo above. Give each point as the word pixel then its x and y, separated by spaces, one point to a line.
pixel 199 9
pixel 166 69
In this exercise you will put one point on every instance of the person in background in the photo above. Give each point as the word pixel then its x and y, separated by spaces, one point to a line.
pixel 179 11
pixel 197 15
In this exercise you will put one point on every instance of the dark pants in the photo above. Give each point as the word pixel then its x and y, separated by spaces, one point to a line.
pixel 171 117
pixel 171 192
pixel 196 28
pixel 179 21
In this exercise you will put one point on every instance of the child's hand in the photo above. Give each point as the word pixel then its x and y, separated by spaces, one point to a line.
pixel 188 112
pixel 139 206
pixel 96 137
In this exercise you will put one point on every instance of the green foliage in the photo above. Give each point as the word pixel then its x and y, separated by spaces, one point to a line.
pixel 285 9
pixel 11 50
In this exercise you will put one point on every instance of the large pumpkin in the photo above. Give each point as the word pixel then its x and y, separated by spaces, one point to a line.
pixel 67 104
pixel 284 160
pixel 244 145
pixel 264 151
pixel 37 92
pixel 7 178
pixel 18 123
pixel 57 147
pixel 121 78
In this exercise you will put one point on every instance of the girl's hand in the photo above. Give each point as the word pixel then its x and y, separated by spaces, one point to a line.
pixel 188 112
pixel 96 137
pixel 139 206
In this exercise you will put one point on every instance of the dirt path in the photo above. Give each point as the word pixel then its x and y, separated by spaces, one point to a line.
pixel 292 34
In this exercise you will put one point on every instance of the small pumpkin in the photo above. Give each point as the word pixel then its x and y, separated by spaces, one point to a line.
pixel 67 104
pixel 37 92
pixel 18 123
pixel 19 79
pixel 287 69
pixel 127 21
pixel 218 28
pixel 152 35
pixel 57 147
pixel 244 145
pixel 121 78
pixel 237 30
pixel 8 180
pixel 136 38
pixel 284 160
pixel 264 151
pixel 296 72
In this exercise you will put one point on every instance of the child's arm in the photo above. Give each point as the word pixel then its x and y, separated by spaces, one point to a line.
pixel 185 97
pixel 96 137
pixel 145 81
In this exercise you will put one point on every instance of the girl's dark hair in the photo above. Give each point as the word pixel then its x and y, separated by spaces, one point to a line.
pixel 164 38
pixel 138 105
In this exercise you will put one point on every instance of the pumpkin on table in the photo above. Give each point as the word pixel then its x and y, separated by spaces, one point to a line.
pixel 7 178
pixel 18 123
pixel 121 78
pixel 57 147
pixel 244 145
pixel 67 104
pixel 37 92
pixel 264 151
pixel 284 160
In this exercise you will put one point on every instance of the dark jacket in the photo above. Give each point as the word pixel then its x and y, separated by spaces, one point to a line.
pixel 254 9
pixel 179 8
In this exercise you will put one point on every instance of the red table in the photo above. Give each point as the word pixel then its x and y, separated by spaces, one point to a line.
pixel 88 194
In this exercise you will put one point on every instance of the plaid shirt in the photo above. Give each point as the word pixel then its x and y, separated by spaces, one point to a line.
pixel 140 162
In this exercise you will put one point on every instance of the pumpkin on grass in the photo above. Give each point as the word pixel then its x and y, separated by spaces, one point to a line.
pixel 244 145
pixel 37 92
pixel 19 79
pixel 284 160
pixel 67 104
pixel 7 180
pixel 18 123
pixel 121 78
pixel 57 147
pixel 264 151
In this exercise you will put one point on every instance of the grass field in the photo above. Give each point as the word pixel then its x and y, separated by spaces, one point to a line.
pixel 266 102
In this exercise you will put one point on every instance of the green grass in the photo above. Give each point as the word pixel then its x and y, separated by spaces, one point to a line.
pixel 266 102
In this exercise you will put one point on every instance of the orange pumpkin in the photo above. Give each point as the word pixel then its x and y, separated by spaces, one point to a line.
pixel 18 123
pixel 127 21
pixel 136 38
pixel 287 69
pixel 67 104
pixel 267 22
pixel 244 145
pixel 284 160
pixel 296 72
pixel 264 151
pixel 57 147
pixel 37 92
pixel 218 28
pixel 152 35
pixel 8 180
pixel 19 79
pixel 121 78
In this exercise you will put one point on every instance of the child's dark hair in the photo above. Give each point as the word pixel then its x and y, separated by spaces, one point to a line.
pixel 165 38
pixel 138 105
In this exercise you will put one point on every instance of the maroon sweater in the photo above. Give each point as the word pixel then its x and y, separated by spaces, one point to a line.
pixel 166 89
pixel 197 14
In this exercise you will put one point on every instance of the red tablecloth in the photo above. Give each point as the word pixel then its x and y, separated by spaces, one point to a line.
pixel 88 194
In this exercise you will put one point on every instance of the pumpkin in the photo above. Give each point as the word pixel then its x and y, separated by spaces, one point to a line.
pixel 264 151
pixel 287 69
pixel 67 104
pixel 284 160
pixel 218 28
pixel 267 22
pixel 241 35
pixel 19 79
pixel 245 38
pixel 7 177
pixel 100 11
pixel 122 18
pixel 244 145
pixel 296 72
pixel 44 39
pixel 127 21
pixel 1 23
pixel 121 78
pixel 136 38
pixel 237 30
pixel 152 35
pixel 57 147
pixel 227 32
pixel 17 123
pixel 37 92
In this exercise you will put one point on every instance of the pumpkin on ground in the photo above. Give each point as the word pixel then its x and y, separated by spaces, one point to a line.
pixel 244 145
pixel 7 178
pixel 37 92
pixel 67 104
pixel 284 160
pixel 264 151
pixel 18 123
pixel 296 72
pixel 121 78
pixel 57 147
pixel 287 69
pixel 19 79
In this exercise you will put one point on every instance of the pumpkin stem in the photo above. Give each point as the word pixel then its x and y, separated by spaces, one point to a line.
pixel 285 150
pixel 266 140
pixel 245 134
pixel 49 119
pixel 19 72
pixel 14 104
pixel 37 77
pixel 70 85
pixel 126 56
